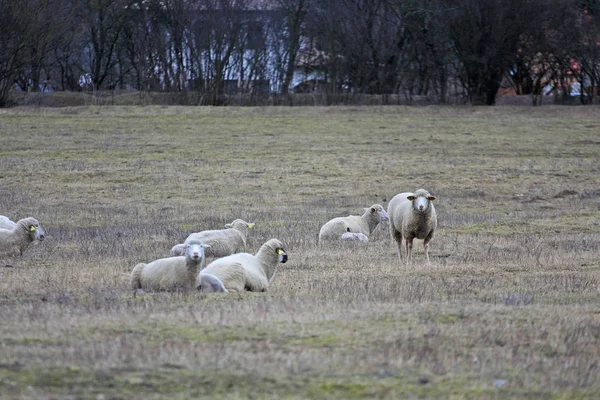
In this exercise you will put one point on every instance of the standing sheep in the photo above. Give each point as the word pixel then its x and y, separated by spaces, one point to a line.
pixel 223 242
pixel 172 273
pixel 13 242
pixel 365 224
pixel 412 215
pixel 243 271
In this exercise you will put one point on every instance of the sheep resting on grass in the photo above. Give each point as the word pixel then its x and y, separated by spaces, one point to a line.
pixel 365 224
pixel 172 273
pixel 243 271
pixel 412 215
pixel 223 242
pixel 14 241
pixel 210 284
pixel 6 223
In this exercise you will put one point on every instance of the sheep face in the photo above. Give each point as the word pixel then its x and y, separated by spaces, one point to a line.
pixel 194 250
pixel 421 201
pixel 36 232
pixel 378 211
pixel 282 255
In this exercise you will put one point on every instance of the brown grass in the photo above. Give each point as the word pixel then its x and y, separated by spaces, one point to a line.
pixel 509 308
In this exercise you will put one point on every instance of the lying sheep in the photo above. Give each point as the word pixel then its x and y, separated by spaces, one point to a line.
pixel 6 223
pixel 172 273
pixel 13 242
pixel 243 271
pixel 223 242
pixel 412 215
pixel 365 224
pixel 355 237
pixel 210 284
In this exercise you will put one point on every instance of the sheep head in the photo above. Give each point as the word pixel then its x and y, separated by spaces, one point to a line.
pixel 421 200
pixel 378 212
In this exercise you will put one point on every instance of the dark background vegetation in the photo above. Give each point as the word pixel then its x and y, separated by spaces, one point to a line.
pixel 440 50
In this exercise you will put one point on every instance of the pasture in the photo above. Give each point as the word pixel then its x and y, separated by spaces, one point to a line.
pixel 509 308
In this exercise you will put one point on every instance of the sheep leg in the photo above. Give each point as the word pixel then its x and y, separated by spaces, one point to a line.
pixel 409 246
pixel 397 236
pixel 426 247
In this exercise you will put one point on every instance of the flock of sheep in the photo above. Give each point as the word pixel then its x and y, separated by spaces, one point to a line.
pixel 410 215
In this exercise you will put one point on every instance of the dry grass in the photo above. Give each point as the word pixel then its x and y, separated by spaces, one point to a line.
pixel 509 308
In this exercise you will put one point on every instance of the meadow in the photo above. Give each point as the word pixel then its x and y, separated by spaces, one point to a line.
pixel 508 308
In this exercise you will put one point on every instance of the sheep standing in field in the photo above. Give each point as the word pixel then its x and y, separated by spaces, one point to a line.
pixel 6 223
pixel 412 215
pixel 222 242
pixel 172 273
pixel 243 271
pixel 364 224
pixel 13 242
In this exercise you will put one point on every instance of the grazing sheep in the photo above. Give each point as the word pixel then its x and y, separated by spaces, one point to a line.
pixel 210 283
pixel 172 273
pixel 223 242
pixel 13 242
pixel 365 224
pixel 243 271
pixel 412 215
pixel 6 223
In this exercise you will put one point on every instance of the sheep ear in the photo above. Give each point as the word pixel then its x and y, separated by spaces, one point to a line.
pixel 32 228
pixel 251 225
pixel 411 197
pixel 228 226
pixel 432 198
pixel 206 246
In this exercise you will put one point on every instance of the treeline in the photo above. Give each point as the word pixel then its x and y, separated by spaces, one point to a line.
pixel 436 49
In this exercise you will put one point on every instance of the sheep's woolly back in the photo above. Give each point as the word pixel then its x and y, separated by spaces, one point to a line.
pixel 209 283
pixel 365 224
pixel 223 242
pixel 6 223
pixel 170 273
pixel 355 237
pixel 244 271
pixel 14 242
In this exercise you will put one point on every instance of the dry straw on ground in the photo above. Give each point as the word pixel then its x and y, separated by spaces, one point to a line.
pixel 512 293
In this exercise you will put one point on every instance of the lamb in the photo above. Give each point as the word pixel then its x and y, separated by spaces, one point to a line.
pixel 6 223
pixel 243 271
pixel 172 273
pixel 412 215
pixel 365 224
pixel 14 241
pixel 223 242
pixel 355 237
pixel 210 283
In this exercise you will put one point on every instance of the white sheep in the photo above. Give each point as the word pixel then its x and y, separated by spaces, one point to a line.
pixel 223 242
pixel 243 271
pixel 412 215
pixel 365 224
pixel 13 242
pixel 172 273
pixel 6 223
pixel 355 237
pixel 210 284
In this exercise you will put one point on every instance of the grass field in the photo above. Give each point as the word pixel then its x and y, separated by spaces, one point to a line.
pixel 509 308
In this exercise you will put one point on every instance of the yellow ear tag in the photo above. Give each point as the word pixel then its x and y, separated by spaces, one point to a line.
pixel 32 229
pixel 250 226
pixel 280 251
